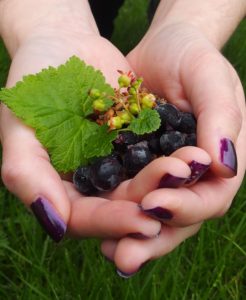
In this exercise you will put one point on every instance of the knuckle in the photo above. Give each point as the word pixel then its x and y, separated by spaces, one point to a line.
pixel 11 175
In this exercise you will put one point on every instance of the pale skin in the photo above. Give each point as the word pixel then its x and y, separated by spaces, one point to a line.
pixel 190 65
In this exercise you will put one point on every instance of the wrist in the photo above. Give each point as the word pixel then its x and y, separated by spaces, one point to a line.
pixel 21 20
pixel 215 19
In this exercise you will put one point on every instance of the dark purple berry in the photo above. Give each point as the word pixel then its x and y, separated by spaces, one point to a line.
pixel 169 114
pixel 190 139
pixel 82 181
pixel 124 139
pixel 154 144
pixel 171 141
pixel 136 158
pixel 187 123
pixel 106 173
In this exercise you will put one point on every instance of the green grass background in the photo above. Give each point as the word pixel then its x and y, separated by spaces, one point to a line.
pixel 210 265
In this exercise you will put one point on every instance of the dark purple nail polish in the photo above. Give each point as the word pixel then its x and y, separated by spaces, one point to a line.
pixel 197 170
pixel 128 275
pixel 49 218
pixel 170 181
pixel 124 274
pixel 158 213
pixel 138 235
pixel 228 155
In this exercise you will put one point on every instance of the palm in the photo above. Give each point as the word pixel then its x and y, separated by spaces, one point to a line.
pixel 184 67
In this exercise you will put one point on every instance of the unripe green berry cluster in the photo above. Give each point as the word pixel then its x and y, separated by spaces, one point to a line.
pixel 128 101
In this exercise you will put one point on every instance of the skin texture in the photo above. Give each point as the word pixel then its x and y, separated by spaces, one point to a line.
pixel 186 77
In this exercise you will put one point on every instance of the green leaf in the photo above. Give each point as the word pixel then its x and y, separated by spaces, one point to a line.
pixel 130 25
pixel 108 103
pixel 55 102
pixel 147 121
pixel 104 143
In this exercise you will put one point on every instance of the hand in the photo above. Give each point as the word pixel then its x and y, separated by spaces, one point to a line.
pixel 26 169
pixel 179 63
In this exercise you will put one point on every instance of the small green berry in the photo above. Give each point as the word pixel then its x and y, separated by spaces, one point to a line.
pixel 134 109
pixel 132 91
pixel 99 105
pixel 125 117
pixel 115 123
pixel 95 93
pixel 132 99
pixel 124 80
pixel 148 101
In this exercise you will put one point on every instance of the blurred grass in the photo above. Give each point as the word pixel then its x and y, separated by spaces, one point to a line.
pixel 211 265
pixel 130 24
pixel 4 63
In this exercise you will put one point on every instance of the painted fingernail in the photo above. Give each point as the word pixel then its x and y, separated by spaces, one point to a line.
pixel 228 155
pixel 158 213
pixel 197 170
pixel 129 275
pixel 170 181
pixel 49 218
pixel 138 235
pixel 124 274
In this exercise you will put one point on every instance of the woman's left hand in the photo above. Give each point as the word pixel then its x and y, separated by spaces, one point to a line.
pixel 179 63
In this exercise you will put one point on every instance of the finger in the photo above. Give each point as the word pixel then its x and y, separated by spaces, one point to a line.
pixel 27 173
pixel 108 248
pixel 184 166
pixel 209 198
pixel 151 177
pixel 130 254
pixel 210 87
pixel 98 217
pixel 206 199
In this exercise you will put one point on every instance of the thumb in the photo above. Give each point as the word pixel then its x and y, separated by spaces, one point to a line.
pixel 210 85
pixel 27 173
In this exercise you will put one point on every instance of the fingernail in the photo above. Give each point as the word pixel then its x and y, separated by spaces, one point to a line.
pixel 128 275
pixel 228 155
pixel 170 181
pixel 124 274
pixel 138 235
pixel 49 218
pixel 158 213
pixel 197 170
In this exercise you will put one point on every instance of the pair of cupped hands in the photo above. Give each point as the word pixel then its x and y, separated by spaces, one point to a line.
pixel 139 220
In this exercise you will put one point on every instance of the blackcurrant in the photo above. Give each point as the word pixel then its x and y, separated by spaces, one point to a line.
pixel 190 139
pixel 124 139
pixel 154 143
pixel 82 181
pixel 187 123
pixel 136 158
pixel 106 173
pixel 169 114
pixel 171 141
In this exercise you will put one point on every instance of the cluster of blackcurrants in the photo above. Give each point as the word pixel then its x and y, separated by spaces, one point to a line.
pixel 132 152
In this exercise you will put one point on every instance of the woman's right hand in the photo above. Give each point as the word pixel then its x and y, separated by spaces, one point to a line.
pixel 58 34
